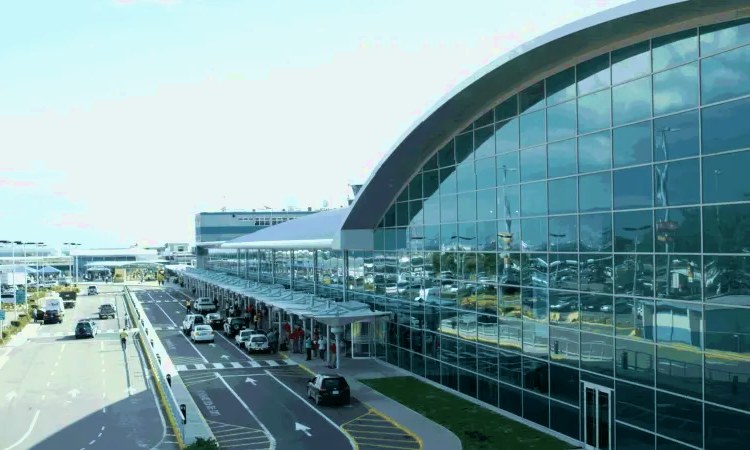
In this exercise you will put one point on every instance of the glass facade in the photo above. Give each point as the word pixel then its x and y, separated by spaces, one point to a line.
pixel 578 256
pixel 580 251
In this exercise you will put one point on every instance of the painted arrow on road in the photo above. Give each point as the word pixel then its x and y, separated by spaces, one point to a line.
pixel 302 428
pixel 250 380
pixel 74 392
pixel 11 395
pixel 224 357
pixel 212 345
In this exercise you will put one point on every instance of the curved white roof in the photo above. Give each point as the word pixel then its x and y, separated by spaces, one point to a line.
pixel 134 251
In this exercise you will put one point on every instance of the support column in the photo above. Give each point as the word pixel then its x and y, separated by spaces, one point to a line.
pixel 315 272
pixel 291 270
pixel 273 266
pixel 345 255
pixel 337 331
pixel 238 263
pixel 328 343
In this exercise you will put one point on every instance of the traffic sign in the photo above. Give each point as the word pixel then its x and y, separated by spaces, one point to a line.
pixel 2 314
pixel 20 297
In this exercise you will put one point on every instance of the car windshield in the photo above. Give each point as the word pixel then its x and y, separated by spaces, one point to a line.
pixel 258 339
pixel 202 328
pixel 198 319
pixel 84 326
pixel 107 307
pixel 245 334
pixel 334 383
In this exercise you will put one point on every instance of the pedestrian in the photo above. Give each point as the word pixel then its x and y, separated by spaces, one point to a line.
pixel 316 338
pixel 187 304
pixel 273 341
pixel 123 338
pixel 308 347
pixel 322 345
pixel 332 348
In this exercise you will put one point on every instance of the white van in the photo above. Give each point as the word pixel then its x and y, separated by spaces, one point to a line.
pixel 54 308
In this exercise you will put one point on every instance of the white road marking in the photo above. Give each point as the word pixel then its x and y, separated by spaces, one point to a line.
pixel 100 435
pixel 181 367
pixel 102 428
pixel 101 345
pixel 237 365
pixel 254 364
pixel 92 442
pixel 272 363
pixel 52 374
pixel 183 335
pixel 320 413
pixel 48 384
pixel 56 363
pixel 218 365
pixel 200 367
pixel 271 439
pixel 62 348
pixel 23 438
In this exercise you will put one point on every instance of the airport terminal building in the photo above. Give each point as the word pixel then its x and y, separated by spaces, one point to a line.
pixel 565 236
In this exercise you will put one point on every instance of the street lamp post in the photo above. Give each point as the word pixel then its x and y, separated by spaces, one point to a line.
pixel 635 252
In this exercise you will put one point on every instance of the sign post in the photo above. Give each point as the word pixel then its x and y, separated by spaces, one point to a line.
pixel 2 323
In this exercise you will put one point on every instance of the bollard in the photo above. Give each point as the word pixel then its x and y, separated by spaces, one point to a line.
pixel 169 380
pixel 158 358
pixel 183 410
pixel 152 342
pixel 146 330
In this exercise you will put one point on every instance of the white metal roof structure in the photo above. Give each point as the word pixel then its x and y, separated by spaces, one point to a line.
pixel 133 251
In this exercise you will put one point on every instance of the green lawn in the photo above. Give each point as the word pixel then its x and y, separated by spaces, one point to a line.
pixel 478 428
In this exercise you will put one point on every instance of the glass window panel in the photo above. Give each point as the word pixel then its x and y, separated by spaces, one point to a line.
pixel 532 129
pixel 594 112
pixel 631 101
pixel 726 228
pixel 676 89
pixel 404 195
pixel 725 428
pixel 467 207
pixel 727 279
pixel 595 192
pixel 431 163
pixel 448 212
pixel 448 238
pixel 564 419
pixel 534 199
pixel 631 62
pixel 725 178
pixel 564 383
pixel 563 232
pixel 464 147
pixel 534 163
pixel 487 361
pixel 561 86
pixel 563 196
pixel 634 232
pixel 596 313
pixel 532 97
pixel 448 180
pixel 509 228
pixel 561 158
pixel 485 173
pixel 486 231
pixel 484 142
pixel 536 374
pixel 449 376
pixel 415 187
pixel 596 273
pixel 634 274
pixel 446 155
pixel 507 169
pixel 486 204
pixel 678 276
pixel 679 323
pixel 727 368
pixel 632 144
pixel 596 233
pixel 677 183
pixel 594 152
pixel 508 201
pixel 632 188
pixel 674 49
pixel 507 109
pixel 390 217
pixel 725 35
pixel 597 353
pixel 679 370
pixel 487 119
pixel 632 439
pixel 725 76
pixel 467 351
pixel 593 74
pixel 535 341
pixel 534 234
pixel 506 136
pixel 561 121
pixel 724 127
pixel 488 391
pixel 465 178
pixel 634 318
pixel 402 214
pixel 635 360
pixel 432 210
pixel 510 367
pixel 635 405
pixel 676 136
pixel 564 307
pixel 536 409
pixel 431 182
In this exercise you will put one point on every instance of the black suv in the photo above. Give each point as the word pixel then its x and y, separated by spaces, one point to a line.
pixel 329 388
pixel 84 329
pixel 233 326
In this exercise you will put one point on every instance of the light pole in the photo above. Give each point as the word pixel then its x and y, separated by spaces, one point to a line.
pixel 12 267
pixel 635 252
pixel 662 173
pixel 25 269
pixel 38 246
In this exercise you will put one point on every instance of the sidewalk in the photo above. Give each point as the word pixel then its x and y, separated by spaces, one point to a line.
pixel 433 436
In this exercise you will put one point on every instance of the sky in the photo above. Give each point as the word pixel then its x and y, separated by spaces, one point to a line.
pixel 119 120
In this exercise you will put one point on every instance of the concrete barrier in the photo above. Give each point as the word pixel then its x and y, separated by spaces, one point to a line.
pixel 161 366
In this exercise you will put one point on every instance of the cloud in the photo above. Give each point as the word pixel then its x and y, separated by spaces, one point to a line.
pixel 16 183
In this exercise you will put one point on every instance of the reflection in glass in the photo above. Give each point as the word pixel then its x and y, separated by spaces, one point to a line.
pixel 485 173
pixel 725 428
pixel 676 136
pixel 678 277
pixel 594 192
pixel 676 89
pixel 635 405
pixel 724 126
pixel 727 279
pixel 447 155
pixel 534 163
pixel 467 207
pixel 596 233
pixel 632 188
pixel 507 109
pixel 534 199
pixel 631 101
pixel 631 144
pixel 447 180
pixel 594 112
pixel 728 347
pixel 635 361
pixel 596 273
pixel 725 76
pixel 448 212
pixel 674 49
pixel 535 375
pixel 534 234
pixel 725 228
pixel 484 142
pixel 486 204
pixel 594 152
pixel 677 183
pixel 535 339
pixel 507 169
pixel 563 195
pixel 596 313
pixel 724 35
pixel 634 274
pixel 487 235
pixel 531 98
pixel 561 121
pixel 597 353
pixel 725 178
pixel 506 136
pixel 634 232
pixel 564 312
pixel 561 86
pixel 564 383
pixel 634 318
pixel 563 232
pixel 593 74
pixel 464 147
pixel 536 409
pixel 631 62
pixel 679 370
pixel 532 129
pixel 561 158
pixel 679 323
pixel 415 187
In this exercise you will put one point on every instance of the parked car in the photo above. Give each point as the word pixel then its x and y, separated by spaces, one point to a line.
pixel 107 310
pixel 257 344
pixel 326 387
pixel 190 321
pixel 242 336
pixel 204 305
pixel 92 290
pixel 202 333
pixel 233 326
pixel 86 328
pixel 215 320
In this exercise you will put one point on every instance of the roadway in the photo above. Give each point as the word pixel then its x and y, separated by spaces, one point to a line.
pixel 262 404
pixel 57 392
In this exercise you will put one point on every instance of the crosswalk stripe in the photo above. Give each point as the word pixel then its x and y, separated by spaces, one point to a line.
pixel 157 328
pixel 218 365
pixel 237 365
pixel 289 362
pixel 253 364
pixel 200 367
pixel 272 363
pixel 181 367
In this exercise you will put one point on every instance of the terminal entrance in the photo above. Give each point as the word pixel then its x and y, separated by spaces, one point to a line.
pixel 597 417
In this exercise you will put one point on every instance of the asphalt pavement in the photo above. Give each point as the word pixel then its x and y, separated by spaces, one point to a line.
pixel 57 392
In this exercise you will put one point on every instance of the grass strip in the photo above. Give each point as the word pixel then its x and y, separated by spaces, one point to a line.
pixel 476 427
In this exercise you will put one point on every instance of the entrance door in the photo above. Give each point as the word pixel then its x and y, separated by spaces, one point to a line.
pixel 597 417
pixel 361 338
